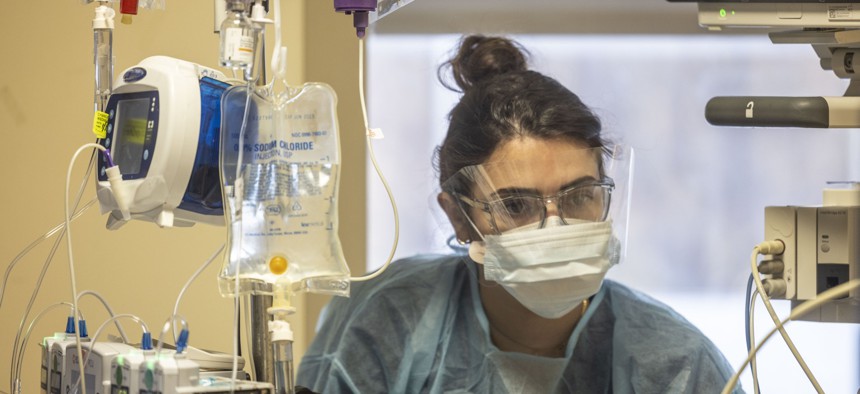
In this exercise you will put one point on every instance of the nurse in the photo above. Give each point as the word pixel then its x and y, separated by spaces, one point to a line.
pixel 529 185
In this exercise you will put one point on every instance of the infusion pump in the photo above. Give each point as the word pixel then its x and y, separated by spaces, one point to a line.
pixel 163 131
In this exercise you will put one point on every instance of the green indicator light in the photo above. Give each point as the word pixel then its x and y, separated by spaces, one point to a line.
pixel 118 375
pixel 148 379
pixel 722 12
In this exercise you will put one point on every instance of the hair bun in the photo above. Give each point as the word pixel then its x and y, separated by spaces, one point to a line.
pixel 481 58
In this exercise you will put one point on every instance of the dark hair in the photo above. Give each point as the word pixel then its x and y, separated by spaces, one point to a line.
pixel 502 100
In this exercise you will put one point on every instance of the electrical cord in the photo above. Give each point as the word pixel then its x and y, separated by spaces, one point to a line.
pixel 776 247
pixel 368 133
pixel 750 320
pixel 800 310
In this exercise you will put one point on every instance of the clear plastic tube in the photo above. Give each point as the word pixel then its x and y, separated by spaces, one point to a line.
pixel 188 284
pixel 109 310
pixel 36 242
pixel 238 193
pixel 103 59
pixel 67 215
pixel 16 387
pixel 378 170
pixel 167 325
pixel 48 261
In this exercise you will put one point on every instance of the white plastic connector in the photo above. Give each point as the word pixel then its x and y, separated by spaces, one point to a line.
pixel 258 14
pixel 165 218
pixel 104 17
pixel 771 267
pixel 280 331
pixel 774 287
pixel 120 192
pixel 771 247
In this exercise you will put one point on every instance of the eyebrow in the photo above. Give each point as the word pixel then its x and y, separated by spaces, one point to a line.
pixel 508 191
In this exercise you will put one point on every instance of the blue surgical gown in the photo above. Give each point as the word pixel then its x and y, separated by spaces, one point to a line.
pixel 420 328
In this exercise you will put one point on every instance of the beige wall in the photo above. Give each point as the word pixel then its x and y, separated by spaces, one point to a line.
pixel 46 87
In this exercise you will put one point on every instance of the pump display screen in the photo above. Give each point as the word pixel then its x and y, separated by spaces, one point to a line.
pixel 91 381
pixel 131 122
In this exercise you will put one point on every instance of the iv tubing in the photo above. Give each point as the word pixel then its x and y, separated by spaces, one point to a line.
pixel 37 242
pixel 235 368
pixel 67 217
pixel 47 263
pixel 237 185
pixel 109 310
pixel 766 300
pixel 20 359
pixel 190 281
pixel 168 324
pixel 279 66
pixel 801 310
pixel 96 337
pixel 376 167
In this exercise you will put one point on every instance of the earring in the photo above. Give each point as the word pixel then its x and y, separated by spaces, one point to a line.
pixel 463 243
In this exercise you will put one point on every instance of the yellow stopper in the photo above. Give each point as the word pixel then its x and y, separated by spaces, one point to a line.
pixel 278 265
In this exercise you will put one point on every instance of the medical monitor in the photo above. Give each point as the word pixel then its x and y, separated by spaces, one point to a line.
pixel 786 14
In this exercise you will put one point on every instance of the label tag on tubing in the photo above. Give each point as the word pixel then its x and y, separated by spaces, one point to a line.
pixel 375 134
pixel 100 121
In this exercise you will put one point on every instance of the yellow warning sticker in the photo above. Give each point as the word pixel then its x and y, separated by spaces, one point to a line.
pixel 100 121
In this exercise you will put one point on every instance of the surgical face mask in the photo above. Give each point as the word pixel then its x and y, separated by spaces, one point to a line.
pixel 549 270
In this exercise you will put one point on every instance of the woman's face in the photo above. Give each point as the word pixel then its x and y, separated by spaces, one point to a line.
pixel 528 166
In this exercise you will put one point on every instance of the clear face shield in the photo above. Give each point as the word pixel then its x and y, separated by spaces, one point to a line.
pixel 570 186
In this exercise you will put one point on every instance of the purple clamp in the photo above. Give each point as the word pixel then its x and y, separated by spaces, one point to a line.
pixel 359 9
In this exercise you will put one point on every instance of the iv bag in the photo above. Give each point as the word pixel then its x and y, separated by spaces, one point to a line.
pixel 280 163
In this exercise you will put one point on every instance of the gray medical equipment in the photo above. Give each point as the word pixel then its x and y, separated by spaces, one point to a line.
pixel 833 30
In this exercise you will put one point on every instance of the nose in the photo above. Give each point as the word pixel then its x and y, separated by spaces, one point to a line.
pixel 551 205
